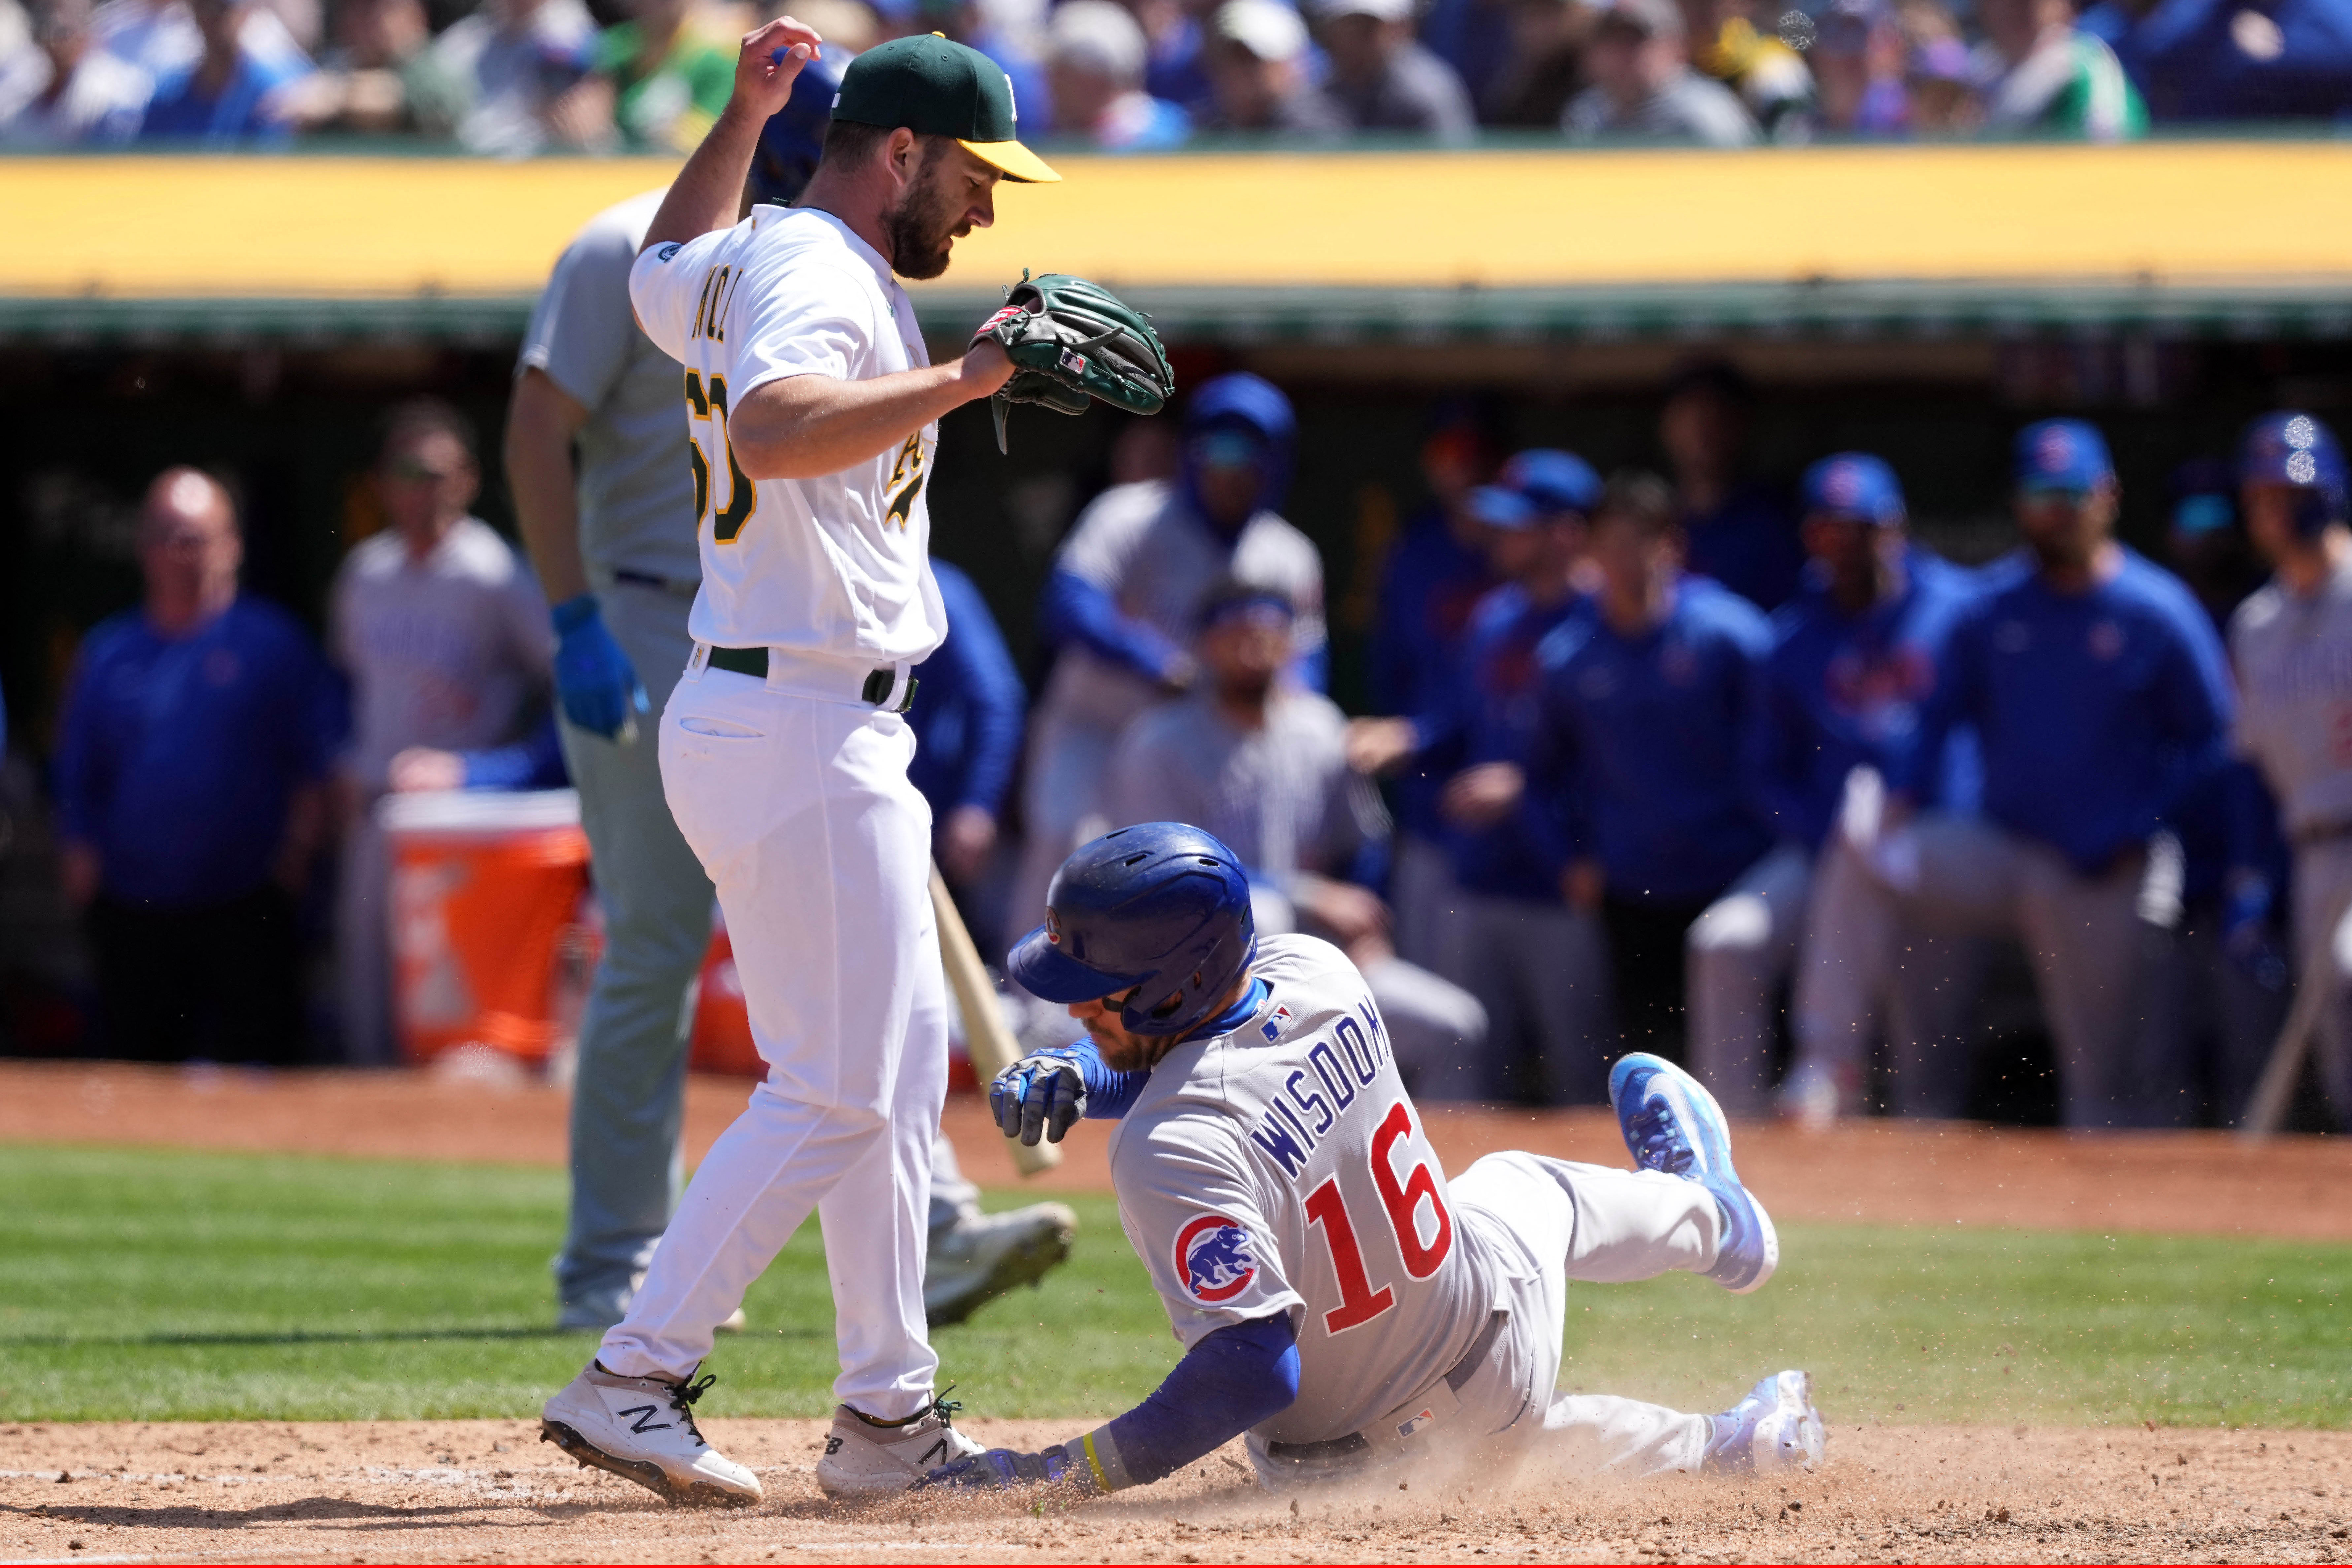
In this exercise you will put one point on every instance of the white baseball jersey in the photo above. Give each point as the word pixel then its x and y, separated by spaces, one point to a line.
pixel 2294 659
pixel 1282 1168
pixel 838 565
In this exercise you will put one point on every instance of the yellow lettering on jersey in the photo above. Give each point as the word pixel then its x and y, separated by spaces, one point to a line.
pixel 911 458
pixel 710 406
pixel 902 504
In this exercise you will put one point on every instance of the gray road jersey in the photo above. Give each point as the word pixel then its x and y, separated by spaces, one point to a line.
pixel 637 486
pixel 1283 1168
pixel 2294 659
pixel 1282 798
pixel 1141 544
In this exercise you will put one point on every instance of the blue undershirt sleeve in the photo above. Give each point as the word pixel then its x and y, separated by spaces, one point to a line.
pixel 1110 1093
pixel 1227 1382
pixel 1072 610
pixel 535 762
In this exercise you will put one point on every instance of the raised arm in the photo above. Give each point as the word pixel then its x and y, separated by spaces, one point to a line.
pixel 709 192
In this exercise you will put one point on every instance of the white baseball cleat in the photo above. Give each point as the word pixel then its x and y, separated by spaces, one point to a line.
pixel 983 1256
pixel 862 1459
pixel 1776 1427
pixel 642 1429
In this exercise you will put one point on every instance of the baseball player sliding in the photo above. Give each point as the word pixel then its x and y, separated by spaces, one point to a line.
pixel 811 414
pixel 1340 1302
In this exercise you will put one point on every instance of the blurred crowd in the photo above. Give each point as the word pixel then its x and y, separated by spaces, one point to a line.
pixel 1686 761
pixel 512 77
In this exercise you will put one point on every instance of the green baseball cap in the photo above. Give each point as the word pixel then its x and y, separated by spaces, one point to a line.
pixel 935 87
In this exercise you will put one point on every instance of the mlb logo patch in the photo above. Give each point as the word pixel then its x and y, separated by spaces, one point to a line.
pixel 1412 1424
pixel 1213 1259
pixel 1272 1027
pixel 1074 363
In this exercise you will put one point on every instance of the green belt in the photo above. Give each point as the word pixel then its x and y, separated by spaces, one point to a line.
pixel 754 661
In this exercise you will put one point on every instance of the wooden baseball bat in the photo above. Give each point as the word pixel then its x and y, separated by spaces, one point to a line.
pixel 985 1037
pixel 2314 987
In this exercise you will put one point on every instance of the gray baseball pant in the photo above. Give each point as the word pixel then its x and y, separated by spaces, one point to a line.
pixel 1540 968
pixel 2323 926
pixel 1432 926
pixel 628 1097
pixel 1962 876
pixel 1739 952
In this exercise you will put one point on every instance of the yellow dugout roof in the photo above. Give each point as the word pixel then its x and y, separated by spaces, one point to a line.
pixel 1497 240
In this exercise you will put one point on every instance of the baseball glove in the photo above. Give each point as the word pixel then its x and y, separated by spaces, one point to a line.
pixel 1072 341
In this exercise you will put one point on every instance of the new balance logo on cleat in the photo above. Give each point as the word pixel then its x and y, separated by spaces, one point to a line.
pixel 831 1446
pixel 645 1421
pixel 938 1453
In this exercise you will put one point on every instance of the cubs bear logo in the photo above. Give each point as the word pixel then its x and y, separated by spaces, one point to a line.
pixel 1213 1255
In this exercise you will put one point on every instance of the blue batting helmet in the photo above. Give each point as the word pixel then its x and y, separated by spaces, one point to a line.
pixel 793 142
pixel 1161 906
pixel 1853 486
pixel 2298 451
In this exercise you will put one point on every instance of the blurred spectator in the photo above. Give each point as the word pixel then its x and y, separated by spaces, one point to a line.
pixel 2293 646
pixel 1257 59
pixel 1382 78
pixel 1545 68
pixel 381 76
pixel 2095 686
pixel 444 638
pixel 1939 77
pixel 162 38
pixel 1643 84
pixel 976 26
pixel 65 90
pixel 190 766
pixel 1768 76
pixel 1263 765
pixel 1176 66
pixel 1540 968
pixel 2205 543
pixel 1093 59
pixel 1118 604
pixel 669 80
pixel 1853 660
pixel 1474 37
pixel 522 67
pixel 1858 63
pixel 534 762
pixel 1436 577
pixel 1637 800
pixel 2040 73
pixel 233 93
pixel 2223 59
pixel 1738 529
pixel 966 719
pixel 849 25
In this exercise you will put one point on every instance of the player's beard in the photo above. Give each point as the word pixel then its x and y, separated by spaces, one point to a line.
pixel 925 223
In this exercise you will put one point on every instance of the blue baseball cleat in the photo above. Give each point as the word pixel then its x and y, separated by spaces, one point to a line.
pixel 1776 1427
pixel 1673 1125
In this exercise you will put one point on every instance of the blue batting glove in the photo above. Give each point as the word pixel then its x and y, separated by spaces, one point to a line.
pixel 1000 1469
pixel 593 680
pixel 1042 1095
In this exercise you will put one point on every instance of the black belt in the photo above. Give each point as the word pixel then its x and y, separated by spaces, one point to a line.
pixel 648 580
pixel 1356 1442
pixel 754 661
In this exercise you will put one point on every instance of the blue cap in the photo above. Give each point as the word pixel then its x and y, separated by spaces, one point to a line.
pixel 792 143
pixel 1856 486
pixel 2299 452
pixel 1533 485
pixel 2061 454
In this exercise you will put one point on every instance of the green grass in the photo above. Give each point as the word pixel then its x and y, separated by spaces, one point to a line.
pixel 158 1285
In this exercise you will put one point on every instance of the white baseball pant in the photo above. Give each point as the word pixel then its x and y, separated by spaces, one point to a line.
pixel 2323 930
pixel 797 802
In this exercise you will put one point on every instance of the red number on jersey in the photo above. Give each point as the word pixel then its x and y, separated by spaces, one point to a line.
pixel 1359 1302
pixel 1419 1261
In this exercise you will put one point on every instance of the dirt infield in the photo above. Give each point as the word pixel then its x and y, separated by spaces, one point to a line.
pixel 1884 1172
pixel 477 1492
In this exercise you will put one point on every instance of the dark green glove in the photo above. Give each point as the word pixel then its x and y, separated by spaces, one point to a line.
pixel 1072 341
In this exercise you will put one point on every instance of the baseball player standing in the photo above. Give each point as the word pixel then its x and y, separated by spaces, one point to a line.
pixel 811 419
pixel 614 545
pixel 2292 644
pixel 1339 1300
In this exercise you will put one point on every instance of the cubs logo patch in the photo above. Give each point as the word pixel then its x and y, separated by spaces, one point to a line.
pixel 1074 363
pixel 1212 1254
pixel 1272 1027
